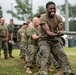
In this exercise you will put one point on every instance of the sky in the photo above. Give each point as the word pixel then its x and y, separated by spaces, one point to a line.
pixel 6 5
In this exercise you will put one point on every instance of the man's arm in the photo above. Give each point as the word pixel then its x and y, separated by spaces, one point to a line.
pixel 60 27
pixel 18 37
pixel 60 23
pixel 11 36
pixel 35 37
pixel 6 34
pixel 47 30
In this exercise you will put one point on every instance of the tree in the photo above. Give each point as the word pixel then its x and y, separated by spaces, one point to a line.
pixel 1 15
pixel 72 15
pixel 40 10
pixel 23 8
pixel 72 10
pixel 72 25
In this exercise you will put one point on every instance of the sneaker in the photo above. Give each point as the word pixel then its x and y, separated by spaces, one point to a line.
pixel 28 70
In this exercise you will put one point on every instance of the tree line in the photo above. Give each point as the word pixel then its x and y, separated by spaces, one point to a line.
pixel 24 9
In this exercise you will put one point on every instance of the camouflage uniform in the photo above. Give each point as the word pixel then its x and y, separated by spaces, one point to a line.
pixel 3 42
pixel 10 46
pixel 52 60
pixel 32 45
pixel 54 43
pixel 43 55
pixel 22 42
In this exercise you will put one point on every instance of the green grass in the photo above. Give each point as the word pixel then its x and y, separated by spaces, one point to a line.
pixel 13 66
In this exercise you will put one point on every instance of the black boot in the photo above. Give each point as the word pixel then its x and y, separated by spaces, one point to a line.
pixel 6 57
pixel 11 56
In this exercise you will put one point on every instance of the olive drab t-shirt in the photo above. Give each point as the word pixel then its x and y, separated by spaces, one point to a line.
pixel 32 31
pixel 22 37
pixel 52 23
pixel 3 29
pixel 10 28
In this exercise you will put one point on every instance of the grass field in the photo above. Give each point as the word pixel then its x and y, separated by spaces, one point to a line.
pixel 13 66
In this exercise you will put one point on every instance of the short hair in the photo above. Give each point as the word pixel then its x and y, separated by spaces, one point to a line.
pixel 42 13
pixel 11 19
pixel 27 18
pixel 25 24
pixel 38 16
pixel 49 3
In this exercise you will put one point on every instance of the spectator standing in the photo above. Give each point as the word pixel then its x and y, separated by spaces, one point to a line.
pixel 4 38
pixel 10 40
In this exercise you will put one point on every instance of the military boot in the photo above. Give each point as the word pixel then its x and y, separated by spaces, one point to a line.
pixel 22 61
pixel 11 56
pixel 50 68
pixel 59 72
pixel 28 70
pixel 6 57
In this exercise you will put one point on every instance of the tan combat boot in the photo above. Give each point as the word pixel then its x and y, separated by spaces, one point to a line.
pixel 59 72
pixel 50 68
pixel 22 61
pixel 28 70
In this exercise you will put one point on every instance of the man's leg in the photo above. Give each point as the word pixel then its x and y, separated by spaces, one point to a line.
pixel 62 59
pixel 10 47
pixel 5 48
pixel 0 46
pixel 44 50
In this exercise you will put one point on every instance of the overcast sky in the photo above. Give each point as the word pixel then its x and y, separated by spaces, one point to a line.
pixel 6 5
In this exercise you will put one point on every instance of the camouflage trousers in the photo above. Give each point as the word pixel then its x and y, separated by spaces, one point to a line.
pixel 61 57
pixel 43 57
pixel 31 55
pixel 3 45
pixel 52 60
pixel 47 47
pixel 23 50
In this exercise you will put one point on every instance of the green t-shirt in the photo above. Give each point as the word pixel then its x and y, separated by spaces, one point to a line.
pixel 21 36
pixel 32 31
pixel 10 28
pixel 51 22
pixel 3 29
